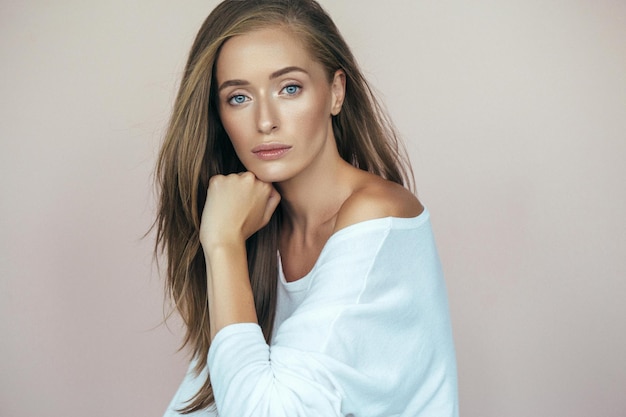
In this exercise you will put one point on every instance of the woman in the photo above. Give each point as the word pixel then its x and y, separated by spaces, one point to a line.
pixel 304 270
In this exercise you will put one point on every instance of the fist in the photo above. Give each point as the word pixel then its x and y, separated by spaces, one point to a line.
pixel 237 206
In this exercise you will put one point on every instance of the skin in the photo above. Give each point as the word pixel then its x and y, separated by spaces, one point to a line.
pixel 276 104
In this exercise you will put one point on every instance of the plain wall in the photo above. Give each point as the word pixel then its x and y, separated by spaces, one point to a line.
pixel 514 114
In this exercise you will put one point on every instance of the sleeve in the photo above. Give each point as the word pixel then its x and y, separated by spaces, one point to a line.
pixel 371 338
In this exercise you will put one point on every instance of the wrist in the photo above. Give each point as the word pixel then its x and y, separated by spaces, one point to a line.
pixel 223 247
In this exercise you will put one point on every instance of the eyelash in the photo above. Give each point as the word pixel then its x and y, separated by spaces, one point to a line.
pixel 232 102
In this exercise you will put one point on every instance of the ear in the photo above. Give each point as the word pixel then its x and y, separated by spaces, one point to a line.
pixel 338 91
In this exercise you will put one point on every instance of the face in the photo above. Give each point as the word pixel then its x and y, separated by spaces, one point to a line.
pixel 276 103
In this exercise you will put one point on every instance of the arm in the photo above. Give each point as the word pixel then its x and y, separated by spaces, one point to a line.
pixel 237 206
pixel 228 286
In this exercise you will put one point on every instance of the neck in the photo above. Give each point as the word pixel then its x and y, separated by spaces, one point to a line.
pixel 314 197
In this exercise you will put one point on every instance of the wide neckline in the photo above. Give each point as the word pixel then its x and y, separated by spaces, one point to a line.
pixel 390 222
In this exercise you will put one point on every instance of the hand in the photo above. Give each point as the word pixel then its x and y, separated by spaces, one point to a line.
pixel 237 206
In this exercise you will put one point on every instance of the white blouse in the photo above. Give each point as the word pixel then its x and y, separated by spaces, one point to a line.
pixel 365 333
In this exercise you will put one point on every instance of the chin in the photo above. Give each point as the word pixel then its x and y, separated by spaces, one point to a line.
pixel 269 176
pixel 271 172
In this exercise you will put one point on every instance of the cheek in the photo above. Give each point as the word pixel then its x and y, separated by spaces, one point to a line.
pixel 310 117
pixel 234 129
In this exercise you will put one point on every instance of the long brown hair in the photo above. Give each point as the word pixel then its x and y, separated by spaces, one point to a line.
pixel 196 147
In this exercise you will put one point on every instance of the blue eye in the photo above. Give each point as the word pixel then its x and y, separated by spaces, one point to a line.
pixel 292 89
pixel 237 99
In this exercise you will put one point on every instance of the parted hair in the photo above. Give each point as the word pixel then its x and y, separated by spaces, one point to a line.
pixel 196 147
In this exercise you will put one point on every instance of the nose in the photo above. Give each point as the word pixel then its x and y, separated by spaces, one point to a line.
pixel 267 117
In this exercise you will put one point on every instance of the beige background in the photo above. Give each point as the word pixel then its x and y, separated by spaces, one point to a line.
pixel 515 117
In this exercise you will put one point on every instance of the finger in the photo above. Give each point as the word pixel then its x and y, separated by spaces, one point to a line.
pixel 245 174
pixel 274 195
pixel 272 202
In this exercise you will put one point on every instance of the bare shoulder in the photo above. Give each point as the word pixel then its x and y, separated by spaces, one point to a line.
pixel 377 198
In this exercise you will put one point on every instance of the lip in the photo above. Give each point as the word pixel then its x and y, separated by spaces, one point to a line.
pixel 270 151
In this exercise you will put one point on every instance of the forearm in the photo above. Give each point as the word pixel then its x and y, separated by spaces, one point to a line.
pixel 230 294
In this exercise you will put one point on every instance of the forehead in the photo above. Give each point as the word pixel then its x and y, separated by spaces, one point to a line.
pixel 262 51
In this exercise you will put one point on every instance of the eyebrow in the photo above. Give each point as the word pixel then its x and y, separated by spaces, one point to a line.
pixel 275 74
pixel 286 70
